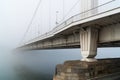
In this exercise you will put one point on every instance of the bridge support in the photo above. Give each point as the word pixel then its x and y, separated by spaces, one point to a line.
pixel 88 42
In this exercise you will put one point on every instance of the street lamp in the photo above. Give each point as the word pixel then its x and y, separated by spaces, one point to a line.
pixel 57 17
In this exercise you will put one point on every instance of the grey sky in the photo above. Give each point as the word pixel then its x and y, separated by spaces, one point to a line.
pixel 15 16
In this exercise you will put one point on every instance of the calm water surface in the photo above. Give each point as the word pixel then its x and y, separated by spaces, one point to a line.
pixel 40 65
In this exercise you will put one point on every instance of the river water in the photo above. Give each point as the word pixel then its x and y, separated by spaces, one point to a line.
pixel 40 64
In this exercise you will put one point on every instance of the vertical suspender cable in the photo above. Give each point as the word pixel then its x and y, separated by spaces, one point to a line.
pixel 63 9
pixel 65 15
pixel 38 29
pixel 49 15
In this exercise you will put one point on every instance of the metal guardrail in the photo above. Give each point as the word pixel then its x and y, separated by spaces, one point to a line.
pixel 83 15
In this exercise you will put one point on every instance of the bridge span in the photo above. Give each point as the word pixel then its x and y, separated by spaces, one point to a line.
pixel 87 30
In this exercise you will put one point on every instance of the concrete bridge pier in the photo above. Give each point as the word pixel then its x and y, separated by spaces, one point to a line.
pixel 88 42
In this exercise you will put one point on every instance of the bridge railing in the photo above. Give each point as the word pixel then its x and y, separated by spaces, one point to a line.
pixel 78 17
pixel 44 36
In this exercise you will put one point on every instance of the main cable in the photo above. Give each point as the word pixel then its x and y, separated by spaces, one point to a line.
pixel 29 25
pixel 70 9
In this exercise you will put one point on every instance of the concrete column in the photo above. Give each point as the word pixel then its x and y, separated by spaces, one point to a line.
pixel 88 42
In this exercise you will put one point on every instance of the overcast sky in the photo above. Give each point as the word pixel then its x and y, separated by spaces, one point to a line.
pixel 15 16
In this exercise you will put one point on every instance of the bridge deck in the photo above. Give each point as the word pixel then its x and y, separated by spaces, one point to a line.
pixel 101 19
pixel 66 35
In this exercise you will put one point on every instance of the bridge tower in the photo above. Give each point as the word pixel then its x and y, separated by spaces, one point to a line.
pixel 88 7
pixel 88 35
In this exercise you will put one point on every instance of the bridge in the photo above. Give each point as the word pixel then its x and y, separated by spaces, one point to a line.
pixel 88 30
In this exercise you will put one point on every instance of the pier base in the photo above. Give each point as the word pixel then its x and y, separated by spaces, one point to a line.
pixel 103 69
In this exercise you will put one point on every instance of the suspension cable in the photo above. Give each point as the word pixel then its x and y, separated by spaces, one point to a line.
pixel 29 25
pixel 70 9
pixel 63 9
pixel 49 14
pixel 91 8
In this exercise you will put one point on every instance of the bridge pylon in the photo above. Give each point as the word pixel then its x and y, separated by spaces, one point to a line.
pixel 88 7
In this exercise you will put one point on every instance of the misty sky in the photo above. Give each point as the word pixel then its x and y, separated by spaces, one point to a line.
pixel 15 16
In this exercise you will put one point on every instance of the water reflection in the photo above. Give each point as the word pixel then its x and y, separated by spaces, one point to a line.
pixel 25 73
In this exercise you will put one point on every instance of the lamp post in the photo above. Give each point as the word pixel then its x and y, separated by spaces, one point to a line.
pixel 57 17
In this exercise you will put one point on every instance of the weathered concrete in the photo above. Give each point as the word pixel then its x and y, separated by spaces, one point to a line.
pixel 103 69
pixel 108 37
